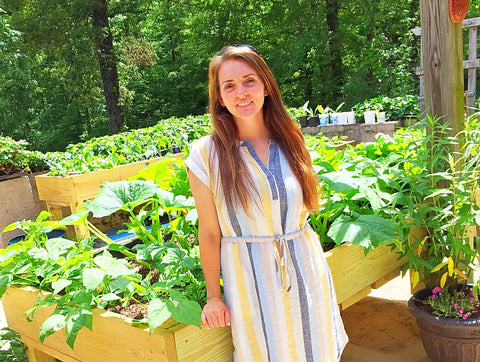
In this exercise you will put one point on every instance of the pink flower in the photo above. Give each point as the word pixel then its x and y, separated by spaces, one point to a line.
pixel 471 299
pixel 437 290
pixel 464 316
pixel 433 296
pixel 460 310
pixel 454 304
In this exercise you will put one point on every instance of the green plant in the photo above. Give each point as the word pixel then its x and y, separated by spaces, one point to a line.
pixel 395 108
pixel 440 185
pixel 358 195
pixel 11 347
pixel 310 112
pixel 166 136
pixel 14 157
pixel 162 273
pixel 452 303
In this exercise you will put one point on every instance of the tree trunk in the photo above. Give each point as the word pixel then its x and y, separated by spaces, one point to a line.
pixel 335 47
pixel 108 66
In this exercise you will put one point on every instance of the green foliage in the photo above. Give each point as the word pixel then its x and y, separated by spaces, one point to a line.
pixel 51 87
pixel 440 183
pixel 169 135
pixel 360 190
pixel 11 347
pixel 166 272
pixel 14 157
pixel 395 108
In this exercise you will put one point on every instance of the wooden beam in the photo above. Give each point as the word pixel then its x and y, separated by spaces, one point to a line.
pixel 467 23
pixel 442 63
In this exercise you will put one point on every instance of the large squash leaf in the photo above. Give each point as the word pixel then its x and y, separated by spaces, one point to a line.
pixel 114 196
pixel 368 231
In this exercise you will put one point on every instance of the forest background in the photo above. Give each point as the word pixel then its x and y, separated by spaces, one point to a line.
pixel 71 70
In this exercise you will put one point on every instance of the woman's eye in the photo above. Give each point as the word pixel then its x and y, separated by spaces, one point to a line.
pixel 228 86
pixel 250 80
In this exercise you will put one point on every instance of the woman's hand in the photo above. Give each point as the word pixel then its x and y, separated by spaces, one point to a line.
pixel 215 314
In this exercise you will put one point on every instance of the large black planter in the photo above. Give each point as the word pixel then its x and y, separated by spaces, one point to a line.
pixel 446 339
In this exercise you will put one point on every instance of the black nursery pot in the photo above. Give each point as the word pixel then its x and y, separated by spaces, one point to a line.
pixel 446 339
pixel 313 121
pixel 303 121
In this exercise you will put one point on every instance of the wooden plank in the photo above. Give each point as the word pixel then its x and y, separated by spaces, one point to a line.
pixel 472 73
pixel 112 339
pixel 37 352
pixel 467 23
pixel 197 345
pixel 55 210
pixel 386 278
pixel 467 64
pixel 354 298
pixel 73 188
pixel 353 271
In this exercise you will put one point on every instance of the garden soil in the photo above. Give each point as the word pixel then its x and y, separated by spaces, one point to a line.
pixel 380 328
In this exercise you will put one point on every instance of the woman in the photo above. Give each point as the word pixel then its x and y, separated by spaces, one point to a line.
pixel 253 185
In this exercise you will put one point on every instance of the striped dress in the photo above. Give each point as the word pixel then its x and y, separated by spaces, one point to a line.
pixel 277 283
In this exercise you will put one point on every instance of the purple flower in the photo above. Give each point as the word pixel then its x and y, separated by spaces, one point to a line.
pixel 437 290
pixel 460 299
pixel 433 296
pixel 471 299
pixel 460 310
pixel 454 304
pixel 464 316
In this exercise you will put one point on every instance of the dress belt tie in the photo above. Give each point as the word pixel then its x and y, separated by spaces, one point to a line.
pixel 282 253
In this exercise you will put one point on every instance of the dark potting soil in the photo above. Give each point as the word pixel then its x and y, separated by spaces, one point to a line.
pixel 136 310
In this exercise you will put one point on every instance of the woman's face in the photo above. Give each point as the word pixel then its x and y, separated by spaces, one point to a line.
pixel 241 90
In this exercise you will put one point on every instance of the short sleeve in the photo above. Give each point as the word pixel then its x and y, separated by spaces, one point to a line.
pixel 198 160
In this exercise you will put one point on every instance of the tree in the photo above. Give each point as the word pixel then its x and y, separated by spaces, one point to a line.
pixel 107 62
pixel 73 33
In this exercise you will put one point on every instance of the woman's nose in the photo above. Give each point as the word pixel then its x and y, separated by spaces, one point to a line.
pixel 241 90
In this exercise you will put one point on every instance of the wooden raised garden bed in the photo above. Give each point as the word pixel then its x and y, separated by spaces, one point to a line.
pixel 73 190
pixel 113 337
pixel 355 274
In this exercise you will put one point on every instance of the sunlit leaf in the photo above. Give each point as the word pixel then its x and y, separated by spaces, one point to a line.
pixel 114 196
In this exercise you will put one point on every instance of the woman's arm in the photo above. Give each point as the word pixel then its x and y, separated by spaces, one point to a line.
pixel 215 313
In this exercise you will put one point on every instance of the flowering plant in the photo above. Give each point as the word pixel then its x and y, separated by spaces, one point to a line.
pixel 440 188
pixel 455 304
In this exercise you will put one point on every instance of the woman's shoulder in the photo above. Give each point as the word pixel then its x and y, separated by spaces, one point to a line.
pixel 204 142
pixel 201 149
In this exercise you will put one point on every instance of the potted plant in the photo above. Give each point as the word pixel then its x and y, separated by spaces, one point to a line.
pixel 440 190
pixel 324 115
pixel 309 117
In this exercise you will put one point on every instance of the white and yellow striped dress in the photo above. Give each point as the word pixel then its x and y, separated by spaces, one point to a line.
pixel 277 283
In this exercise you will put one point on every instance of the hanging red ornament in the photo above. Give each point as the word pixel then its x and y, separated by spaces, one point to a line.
pixel 458 10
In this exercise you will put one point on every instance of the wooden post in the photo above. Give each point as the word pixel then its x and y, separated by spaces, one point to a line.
pixel 442 63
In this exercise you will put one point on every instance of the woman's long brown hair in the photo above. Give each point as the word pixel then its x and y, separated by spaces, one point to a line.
pixel 234 175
